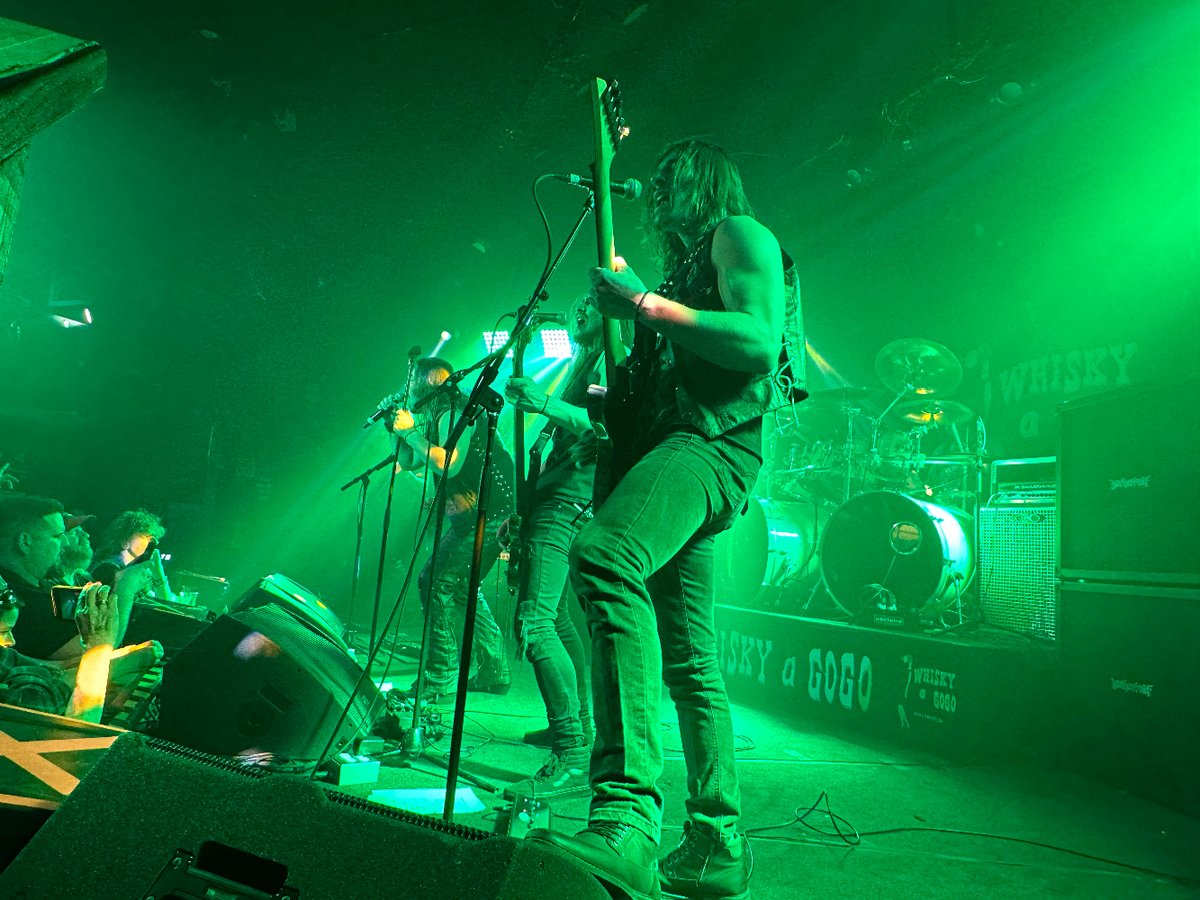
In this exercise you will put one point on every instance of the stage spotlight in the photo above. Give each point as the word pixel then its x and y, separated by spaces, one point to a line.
pixel 445 336
pixel 494 340
pixel 556 343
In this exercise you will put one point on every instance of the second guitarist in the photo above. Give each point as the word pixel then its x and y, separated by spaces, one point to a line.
pixel 562 505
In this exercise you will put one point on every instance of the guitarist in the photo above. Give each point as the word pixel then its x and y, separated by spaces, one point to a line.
pixel 707 364
pixel 561 506
pixel 444 593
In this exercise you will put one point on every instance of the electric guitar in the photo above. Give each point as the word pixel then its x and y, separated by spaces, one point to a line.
pixel 609 130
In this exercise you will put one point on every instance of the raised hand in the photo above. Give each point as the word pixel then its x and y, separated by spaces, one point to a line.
pixel 525 395
pixel 96 616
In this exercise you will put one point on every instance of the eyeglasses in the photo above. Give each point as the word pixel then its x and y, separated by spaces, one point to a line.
pixel 9 599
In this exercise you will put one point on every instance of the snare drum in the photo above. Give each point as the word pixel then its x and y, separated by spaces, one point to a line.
pixel 884 549
pixel 773 544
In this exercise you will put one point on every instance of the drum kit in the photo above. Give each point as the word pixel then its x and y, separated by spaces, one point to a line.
pixel 870 494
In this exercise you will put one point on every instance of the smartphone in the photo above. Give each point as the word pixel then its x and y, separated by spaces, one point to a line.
pixel 150 548
pixel 65 600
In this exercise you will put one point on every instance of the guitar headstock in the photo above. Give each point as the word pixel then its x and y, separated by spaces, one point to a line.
pixel 608 111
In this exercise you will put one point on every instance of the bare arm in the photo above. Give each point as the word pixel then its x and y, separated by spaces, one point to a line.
pixel 405 428
pixel 746 335
pixel 97 620
pixel 526 396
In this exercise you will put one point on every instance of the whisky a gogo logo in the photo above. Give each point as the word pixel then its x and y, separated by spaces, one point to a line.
pixel 844 679
pixel 929 693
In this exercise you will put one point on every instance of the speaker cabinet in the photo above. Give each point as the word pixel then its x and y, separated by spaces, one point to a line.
pixel 146 808
pixel 1129 485
pixel 1129 688
pixel 306 605
pixel 1017 556
pixel 262 683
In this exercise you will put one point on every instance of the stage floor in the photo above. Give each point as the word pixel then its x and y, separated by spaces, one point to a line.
pixel 931 827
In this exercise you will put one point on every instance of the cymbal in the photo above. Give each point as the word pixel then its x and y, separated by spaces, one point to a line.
pixel 933 412
pixel 928 367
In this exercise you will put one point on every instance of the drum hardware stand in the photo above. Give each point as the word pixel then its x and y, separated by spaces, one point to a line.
pixel 848 447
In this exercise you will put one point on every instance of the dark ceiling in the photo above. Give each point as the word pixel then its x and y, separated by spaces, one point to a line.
pixel 269 203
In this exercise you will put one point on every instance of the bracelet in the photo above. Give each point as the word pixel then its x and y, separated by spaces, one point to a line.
pixel 545 403
pixel 638 311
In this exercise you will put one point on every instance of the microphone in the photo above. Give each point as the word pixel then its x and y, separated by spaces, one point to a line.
pixel 630 189
pixel 414 351
pixel 542 318
pixel 385 405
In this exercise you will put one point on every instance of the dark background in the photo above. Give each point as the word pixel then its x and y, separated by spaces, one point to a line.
pixel 269 203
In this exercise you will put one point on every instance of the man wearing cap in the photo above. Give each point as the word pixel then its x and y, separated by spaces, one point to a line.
pixel 33 534
pixel 75 559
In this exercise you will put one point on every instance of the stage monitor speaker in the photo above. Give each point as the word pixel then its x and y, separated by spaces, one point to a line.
pixel 1018 549
pixel 1128 687
pixel 305 605
pixel 148 814
pixel 262 683
pixel 1129 485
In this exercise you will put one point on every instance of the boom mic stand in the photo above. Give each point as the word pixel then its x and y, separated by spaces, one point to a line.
pixel 482 397
pixel 363 480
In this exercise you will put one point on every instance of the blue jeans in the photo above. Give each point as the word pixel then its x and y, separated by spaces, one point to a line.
pixel 643 568
pixel 446 602
pixel 548 637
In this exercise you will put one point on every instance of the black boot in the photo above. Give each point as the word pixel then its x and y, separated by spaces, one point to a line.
pixel 702 868
pixel 615 853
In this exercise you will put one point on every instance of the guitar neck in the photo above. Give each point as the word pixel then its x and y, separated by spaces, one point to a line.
pixel 608 129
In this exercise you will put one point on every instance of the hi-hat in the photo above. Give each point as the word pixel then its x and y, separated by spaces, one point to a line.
pixel 926 367
pixel 935 412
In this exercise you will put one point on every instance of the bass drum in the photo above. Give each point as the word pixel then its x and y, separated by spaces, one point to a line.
pixel 773 544
pixel 889 551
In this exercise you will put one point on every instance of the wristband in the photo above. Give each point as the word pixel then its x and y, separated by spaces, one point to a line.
pixel 638 311
pixel 545 403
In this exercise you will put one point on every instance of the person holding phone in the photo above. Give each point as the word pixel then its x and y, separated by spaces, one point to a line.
pixel 127 539
pixel 32 535
pixel 77 690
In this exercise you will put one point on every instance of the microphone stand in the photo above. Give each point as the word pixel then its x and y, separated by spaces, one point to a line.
pixel 394 459
pixel 481 398
pixel 363 481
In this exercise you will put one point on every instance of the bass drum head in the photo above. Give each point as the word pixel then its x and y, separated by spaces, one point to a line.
pixel 770 547
pixel 887 550
pixel 740 557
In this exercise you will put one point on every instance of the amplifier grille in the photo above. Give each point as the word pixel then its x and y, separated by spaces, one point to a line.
pixel 1017 562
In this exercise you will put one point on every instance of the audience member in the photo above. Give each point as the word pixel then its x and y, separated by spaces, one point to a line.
pixel 125 539
pixel 77 691
pixel 75 560
pixel 32 536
